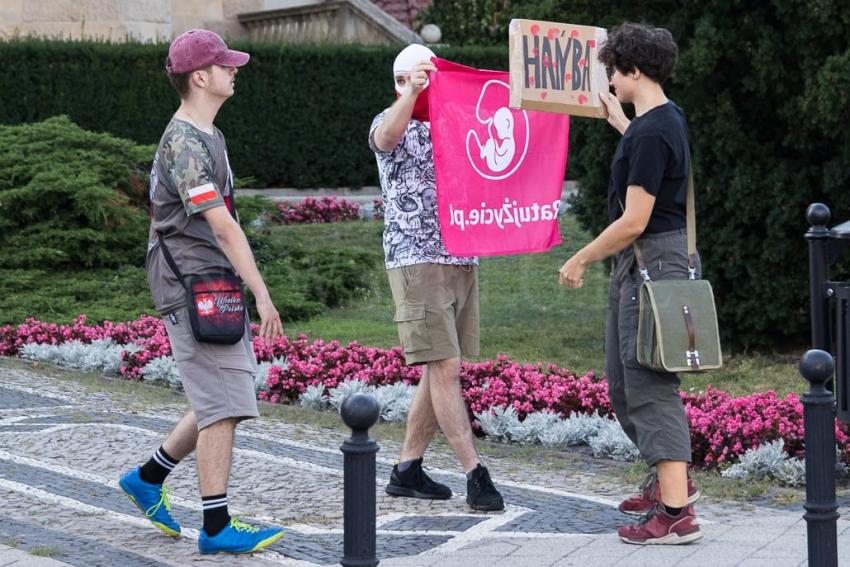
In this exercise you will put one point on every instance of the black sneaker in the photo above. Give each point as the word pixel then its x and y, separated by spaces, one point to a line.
pixel 414 483
pixel 480 492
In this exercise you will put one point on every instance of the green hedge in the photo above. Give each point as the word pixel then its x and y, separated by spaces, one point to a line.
pixel 71 198
pixel 300 116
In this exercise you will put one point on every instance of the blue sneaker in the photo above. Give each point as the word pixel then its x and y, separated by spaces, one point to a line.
pixel 152 500
pixel 237 537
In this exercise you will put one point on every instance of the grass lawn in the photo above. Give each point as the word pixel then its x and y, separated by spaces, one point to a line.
pixel 527 315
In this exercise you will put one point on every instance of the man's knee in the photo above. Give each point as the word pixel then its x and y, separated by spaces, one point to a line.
pixel 225 425
pixel 445 371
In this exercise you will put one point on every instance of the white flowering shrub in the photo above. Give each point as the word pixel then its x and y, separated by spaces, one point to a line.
pixel 769 461
pixel 529 430
pixel 263 373
pixel 578 429
pixel 314 398
pixel 367 211
pixel 395 401
pixel 103 354
pixel 39 353
pixel 792 472
pixel 605 436
pixel 497 422
pixel 612 442
pixel 162 370
pixel 337 395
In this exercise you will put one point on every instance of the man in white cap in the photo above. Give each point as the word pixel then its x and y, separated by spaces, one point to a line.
pixel 435 293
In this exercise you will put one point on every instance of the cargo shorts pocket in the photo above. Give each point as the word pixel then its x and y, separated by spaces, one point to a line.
pixel 412 328
pixel 235 361
pixel 627 323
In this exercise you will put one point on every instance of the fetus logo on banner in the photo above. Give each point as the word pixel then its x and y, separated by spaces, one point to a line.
pixel 496 145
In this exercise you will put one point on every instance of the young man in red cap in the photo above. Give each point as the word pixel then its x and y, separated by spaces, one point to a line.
pixel 192 209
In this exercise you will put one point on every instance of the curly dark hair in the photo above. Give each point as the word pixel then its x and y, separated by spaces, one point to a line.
pixel 637 46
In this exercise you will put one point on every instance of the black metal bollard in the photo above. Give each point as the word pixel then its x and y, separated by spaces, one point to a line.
pixel 818 216
pixel 359 412
pixel 817 367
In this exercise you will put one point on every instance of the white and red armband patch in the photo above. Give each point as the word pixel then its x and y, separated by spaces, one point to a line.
pixel 202 194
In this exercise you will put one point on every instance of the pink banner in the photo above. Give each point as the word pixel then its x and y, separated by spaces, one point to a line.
pixel 500 171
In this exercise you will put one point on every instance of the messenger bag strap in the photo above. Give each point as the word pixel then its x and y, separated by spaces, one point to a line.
pixel 638 256
pixel 691 224
pixel 691 232
pixel 170 260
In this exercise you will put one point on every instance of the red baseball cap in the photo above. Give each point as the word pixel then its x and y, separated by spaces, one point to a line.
pixel 196 49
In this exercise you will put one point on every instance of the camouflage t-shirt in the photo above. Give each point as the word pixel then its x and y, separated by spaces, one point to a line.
pixel 408 186
pixel 190 174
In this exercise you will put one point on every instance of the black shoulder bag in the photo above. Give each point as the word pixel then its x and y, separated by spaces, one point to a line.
pixel 214 302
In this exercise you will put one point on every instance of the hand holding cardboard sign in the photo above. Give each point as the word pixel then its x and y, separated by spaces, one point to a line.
pixel 616 116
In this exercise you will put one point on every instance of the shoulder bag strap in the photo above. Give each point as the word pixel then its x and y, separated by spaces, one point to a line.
pixel 170 260
pixel 691 232
pixel 691 224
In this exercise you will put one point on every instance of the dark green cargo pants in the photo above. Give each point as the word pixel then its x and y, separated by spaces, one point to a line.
pixel 646 402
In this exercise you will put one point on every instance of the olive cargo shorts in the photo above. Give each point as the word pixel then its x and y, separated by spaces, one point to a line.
pixel 436 311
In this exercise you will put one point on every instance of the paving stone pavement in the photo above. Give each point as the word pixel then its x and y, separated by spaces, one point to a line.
pixel 62 449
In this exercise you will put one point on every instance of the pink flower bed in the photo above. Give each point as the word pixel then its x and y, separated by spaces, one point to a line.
pixel 148 333
pixel 722 427
pixel 329 364
pixel 531 387
pixel 312 211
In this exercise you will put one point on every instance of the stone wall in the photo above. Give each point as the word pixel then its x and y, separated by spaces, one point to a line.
pixel 118 20
pixel 141 20
pixel 328 21
pixel 219 16
pixel 161 20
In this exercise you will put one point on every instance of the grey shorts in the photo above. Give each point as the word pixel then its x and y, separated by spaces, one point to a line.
pixel 218 379
pixel 646 402
pixel 436 311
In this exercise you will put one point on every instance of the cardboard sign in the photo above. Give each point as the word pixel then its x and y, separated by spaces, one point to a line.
pixel 553 67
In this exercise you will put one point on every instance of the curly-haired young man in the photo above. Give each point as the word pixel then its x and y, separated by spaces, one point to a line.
pixel 647 196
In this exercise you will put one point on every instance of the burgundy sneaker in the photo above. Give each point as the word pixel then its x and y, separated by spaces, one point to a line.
pixel 660 528
pixel 650 493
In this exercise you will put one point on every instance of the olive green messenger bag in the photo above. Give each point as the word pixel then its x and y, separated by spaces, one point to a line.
pixel 677 323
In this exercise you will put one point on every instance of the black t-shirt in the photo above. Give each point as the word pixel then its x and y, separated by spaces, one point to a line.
pixel 654 154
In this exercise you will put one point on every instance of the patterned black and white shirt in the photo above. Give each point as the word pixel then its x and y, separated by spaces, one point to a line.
pixel 408 187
